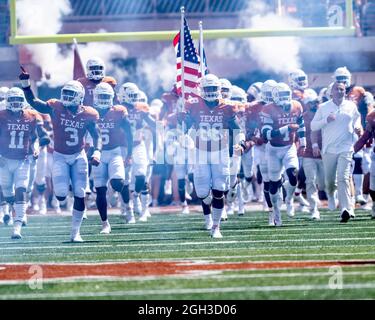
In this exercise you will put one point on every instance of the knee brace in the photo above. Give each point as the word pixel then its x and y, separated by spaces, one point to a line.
pixel 266 186
pixel 60 198
pixel 117 184
pixel 191 177
pixel 259 176
pixel 20 195
pixel 206 208
pixel 218 199
pixel 139 183
pixel 292 176
pixel 79 204
pixel 274 186
pixel 207 200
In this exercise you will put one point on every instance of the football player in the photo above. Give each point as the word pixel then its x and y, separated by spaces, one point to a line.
pixel 367 136
pixel 140 120
pixel 18 132
pixel 212 118
pixel 281 121
pixel 3 95
pixel 112 119
pixel 260 146
pixel 71 121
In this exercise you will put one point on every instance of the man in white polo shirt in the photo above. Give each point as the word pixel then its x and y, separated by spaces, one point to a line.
pixel 339 120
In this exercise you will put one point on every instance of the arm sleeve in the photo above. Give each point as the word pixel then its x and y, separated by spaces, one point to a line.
pixel 39 105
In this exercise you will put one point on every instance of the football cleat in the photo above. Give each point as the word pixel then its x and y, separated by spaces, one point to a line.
pixel 76 238
pixel 224 215
pixel 315 215
pixel 106 228
pixel 185 209
pixel 360 199
pixel 215 233
pixel 84 217
pixel 143 217
pixel 16 235
pixel 345 216
pixel 209 222
pixel 290 208
pixel 301 200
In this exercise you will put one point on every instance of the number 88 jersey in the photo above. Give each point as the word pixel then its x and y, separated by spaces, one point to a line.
pixel 17 132
pixel 69 129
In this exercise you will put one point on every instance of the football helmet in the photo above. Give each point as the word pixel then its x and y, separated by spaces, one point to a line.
pixel 128 93
pixel 156 106
pixel 210 87
pixel 343 75
pixel 255 90
pixel 15 100
pixel 95 69
pixel 282 96
pixel 142 97
pixel 310 95
pixel 103 96
pixel 3 93
pixel 266 91
pixel 238 94
pixel 226 88
pixel 298 79
pixel 72 93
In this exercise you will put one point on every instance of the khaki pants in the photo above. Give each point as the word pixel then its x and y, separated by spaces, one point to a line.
pixel 337 169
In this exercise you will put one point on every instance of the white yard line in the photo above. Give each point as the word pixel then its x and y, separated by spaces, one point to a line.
pixel 161 292
pixel 190 243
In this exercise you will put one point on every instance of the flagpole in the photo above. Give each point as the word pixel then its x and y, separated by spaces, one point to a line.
pixel 182 51
pixel 201 47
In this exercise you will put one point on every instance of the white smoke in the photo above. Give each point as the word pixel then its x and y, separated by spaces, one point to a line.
pixel 159 71
pixel 42 17
pixel 277 54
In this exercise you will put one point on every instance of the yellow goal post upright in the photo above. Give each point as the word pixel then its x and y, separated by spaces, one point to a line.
pixel 347 30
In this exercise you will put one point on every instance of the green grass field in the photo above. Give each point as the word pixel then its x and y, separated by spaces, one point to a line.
pixel 171 237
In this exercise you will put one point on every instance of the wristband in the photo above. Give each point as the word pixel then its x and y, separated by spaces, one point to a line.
pixel 25 83
pixel 96 154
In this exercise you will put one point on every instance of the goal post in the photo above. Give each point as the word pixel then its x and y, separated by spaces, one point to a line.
pixel 347 30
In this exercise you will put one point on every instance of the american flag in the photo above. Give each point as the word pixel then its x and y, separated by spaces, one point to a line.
pixel 205 69
pixel 191 63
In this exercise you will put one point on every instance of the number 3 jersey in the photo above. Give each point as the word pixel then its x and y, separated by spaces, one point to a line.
pixel 69 128
pixel 17 133
pixel 211 123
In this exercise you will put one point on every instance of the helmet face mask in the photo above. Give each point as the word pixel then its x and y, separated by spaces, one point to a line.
pixel 266 91
pixel 298 80
pixel 343 75
pixel 95 69
pixel 238 94
pixel 15 100
pixel 210 88
pixel 103 96
pixel 72 94
pixel 129 93
pixel 282 96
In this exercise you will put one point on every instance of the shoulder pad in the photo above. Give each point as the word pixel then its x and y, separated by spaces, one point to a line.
pixel 110 80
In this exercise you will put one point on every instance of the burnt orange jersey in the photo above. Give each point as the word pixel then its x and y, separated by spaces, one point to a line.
pixel 90 85
pixel 17 132
pixel 110 127
pixel 136 116
pixel 211 123
pixel 276 117
pixel 69 128
pixel 253 122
